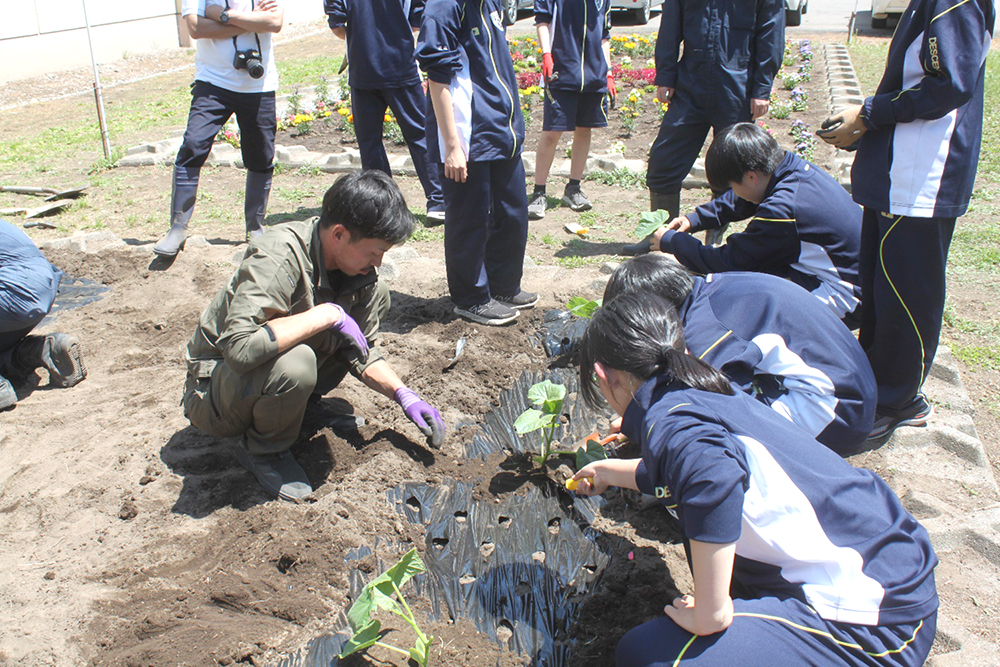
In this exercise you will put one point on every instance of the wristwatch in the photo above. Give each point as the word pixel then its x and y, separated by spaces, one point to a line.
pixel 224 16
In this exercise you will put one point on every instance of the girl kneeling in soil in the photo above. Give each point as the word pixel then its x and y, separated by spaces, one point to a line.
pixel 825 564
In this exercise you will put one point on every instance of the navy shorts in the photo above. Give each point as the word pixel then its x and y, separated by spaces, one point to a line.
pixel 566 110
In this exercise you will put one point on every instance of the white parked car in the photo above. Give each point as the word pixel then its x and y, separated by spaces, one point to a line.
pixel 794 9
pixel 881 9
pixel 638 9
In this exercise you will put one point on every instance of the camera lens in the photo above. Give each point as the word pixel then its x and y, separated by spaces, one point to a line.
pixel 255 68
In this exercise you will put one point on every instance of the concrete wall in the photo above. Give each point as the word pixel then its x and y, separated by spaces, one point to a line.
pixel 43 36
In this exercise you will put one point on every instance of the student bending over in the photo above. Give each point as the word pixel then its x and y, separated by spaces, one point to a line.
pixel 772 339
pixel 832 569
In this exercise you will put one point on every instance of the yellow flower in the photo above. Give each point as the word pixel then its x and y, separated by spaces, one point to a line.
pixel 350 119
pixel 344 111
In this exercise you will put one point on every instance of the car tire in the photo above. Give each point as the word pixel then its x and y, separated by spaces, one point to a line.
pixel 879 24
pixel 793 17
pixel 510 12
pixel 641 16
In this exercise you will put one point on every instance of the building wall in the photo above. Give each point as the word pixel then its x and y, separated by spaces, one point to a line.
pixel 43 36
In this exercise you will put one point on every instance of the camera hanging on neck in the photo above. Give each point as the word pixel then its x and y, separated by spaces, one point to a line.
pixel 248 59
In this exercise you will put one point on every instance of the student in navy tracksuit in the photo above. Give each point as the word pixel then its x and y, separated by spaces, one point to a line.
pixel 913 173
pixel 804 226
pixel 827 566
pixel 476 130
pixel 732 51
pixel 576 59
pixel 383 73
pixel 772 340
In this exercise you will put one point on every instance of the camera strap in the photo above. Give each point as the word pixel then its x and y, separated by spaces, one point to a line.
pixel 255 35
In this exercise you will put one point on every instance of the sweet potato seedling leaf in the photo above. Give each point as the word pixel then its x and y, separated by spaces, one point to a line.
pixel 548 396
pixel 650 221
pixel 593 451
pixel 532 420
pixel 360 613
pixel 582 306
pixel 421 651
pixel 362 639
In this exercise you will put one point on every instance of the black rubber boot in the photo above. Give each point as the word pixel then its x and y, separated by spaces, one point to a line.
pixel 58 353
pixel 715 236
pixel 258 190
pixel 658 201
pixel 183 192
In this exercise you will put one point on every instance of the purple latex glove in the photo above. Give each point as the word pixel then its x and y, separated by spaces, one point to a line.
pixel 427 418
pixel 351 332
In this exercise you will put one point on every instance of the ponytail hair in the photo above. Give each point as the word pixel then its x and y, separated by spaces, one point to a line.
pixel 641 335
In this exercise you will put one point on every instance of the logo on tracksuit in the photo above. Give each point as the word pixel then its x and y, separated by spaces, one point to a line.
pixel 497 21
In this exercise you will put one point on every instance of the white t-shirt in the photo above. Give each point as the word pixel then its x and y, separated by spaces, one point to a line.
pixel 214 62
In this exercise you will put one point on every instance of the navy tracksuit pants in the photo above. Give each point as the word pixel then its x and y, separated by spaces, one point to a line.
pixel 681 136
pixel 902 271
pixel 409 106
pixel 769 631
pixel 485 231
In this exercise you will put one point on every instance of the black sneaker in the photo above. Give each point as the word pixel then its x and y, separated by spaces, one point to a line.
pixel 61 357
pixel 575 199
pixel 279 474
pixel 492 313
pixel 536 207
pixel 521 301
pixel 917 413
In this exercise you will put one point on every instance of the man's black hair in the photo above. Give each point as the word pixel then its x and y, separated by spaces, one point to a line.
pixel 737 150
pixel 641 334
pixel 653 273
pixel 370 205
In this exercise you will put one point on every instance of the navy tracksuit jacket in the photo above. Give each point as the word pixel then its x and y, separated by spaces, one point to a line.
pixel 778 344
pixel 914 173
pixel 806 229
pixel 732 51
pixel 383 73
pixel 578 29
pixel 463 45
pixel 835 570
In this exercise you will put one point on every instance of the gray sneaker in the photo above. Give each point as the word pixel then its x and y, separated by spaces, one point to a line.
pixel 536 208
pixel 519 301
pixel 61 357
pixel 492 313
pixel 279 474
pixel 576 200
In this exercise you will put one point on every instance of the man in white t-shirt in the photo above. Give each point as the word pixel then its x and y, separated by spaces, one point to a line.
pixel 234 74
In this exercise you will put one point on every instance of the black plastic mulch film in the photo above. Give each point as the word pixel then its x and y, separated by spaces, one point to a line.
pixel 519 569
pixel 74 293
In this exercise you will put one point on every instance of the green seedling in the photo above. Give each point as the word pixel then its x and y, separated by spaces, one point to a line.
pixel 378 594
pixel 650 222
pixel 547 397
pixel 582 306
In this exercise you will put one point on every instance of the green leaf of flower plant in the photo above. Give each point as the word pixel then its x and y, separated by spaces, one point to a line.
pixel 362 639
pixel 593 451
pixel 582 306
pixel 650 222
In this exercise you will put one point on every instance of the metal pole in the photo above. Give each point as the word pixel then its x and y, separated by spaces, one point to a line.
pixel 97 88
pixel 852 23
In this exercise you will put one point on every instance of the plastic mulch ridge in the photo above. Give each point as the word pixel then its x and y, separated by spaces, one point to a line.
pixel 519 569
pixel 74 293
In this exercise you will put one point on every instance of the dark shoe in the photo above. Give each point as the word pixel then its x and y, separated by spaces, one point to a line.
pixel 536 208
pixel 637 248
pixel 279 474
pixel 575 199
pixel 491 313
pixel 8 397
pixel 520 301
pixel 917 413
pixel 173 242
pixel 435 215
pixel 59 354
pixel 662 201
pixel 337 414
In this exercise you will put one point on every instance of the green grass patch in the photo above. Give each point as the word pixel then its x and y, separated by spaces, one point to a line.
pixel 975 247
pixel 623 178
pixel 980 357
pixel 577 261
